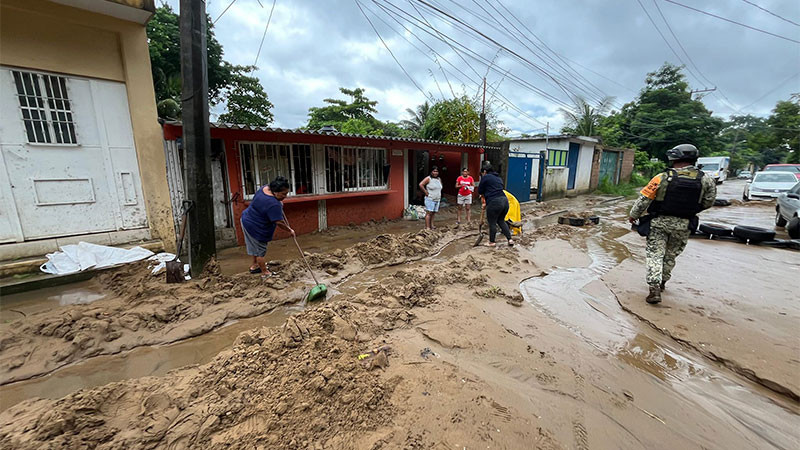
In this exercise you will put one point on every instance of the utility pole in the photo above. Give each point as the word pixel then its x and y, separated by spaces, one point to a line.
pixel 698 91
pixel 196 133
pixel 483 116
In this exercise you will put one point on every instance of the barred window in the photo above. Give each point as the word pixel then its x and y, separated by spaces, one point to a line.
pixel 350 169
pixel 557 158
pixel 45 107
pixel 262 162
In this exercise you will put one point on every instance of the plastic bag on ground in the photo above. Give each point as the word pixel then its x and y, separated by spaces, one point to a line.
pixel 83 256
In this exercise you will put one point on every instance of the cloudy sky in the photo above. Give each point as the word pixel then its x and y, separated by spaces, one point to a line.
pixel 534 54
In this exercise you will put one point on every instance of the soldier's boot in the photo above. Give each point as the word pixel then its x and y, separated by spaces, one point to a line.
pixel 655 294
pixel 663 285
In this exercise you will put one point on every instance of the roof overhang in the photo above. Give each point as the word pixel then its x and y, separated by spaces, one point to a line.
pixel 138 11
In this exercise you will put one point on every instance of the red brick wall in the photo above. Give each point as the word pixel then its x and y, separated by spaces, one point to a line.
pixel 594 180
pixel 627 165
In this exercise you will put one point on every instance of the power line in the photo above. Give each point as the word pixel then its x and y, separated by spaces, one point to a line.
pixel 733 22
pixel 390 50
pixel 771 91
pixel 505 101
pixel 223 12
pixel 265 31
pixel 664 38
pixel 770 12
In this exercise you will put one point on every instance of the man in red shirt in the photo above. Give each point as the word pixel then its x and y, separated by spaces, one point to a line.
pixel 465 185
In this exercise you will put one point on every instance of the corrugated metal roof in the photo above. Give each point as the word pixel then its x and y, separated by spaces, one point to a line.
pixel 233 126
pixel 556 136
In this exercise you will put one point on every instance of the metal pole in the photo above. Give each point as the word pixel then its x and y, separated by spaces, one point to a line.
pixel 483 116
pixel 196 133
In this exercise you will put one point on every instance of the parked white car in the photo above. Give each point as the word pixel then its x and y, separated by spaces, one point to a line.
pixel 787 206
pixel 745 175
pixel 768 185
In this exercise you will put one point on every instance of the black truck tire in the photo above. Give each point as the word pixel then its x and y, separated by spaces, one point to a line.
pixel 715 230
pixel 753 234
pixel 793 227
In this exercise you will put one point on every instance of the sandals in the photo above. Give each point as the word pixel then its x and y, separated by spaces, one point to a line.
pixel 510 243
pixel 266 275
pixel 256 270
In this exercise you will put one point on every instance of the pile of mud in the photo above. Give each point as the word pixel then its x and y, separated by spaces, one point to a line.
pixel 300 386
pixel 144 310
pixel 554 231
pixel 391 248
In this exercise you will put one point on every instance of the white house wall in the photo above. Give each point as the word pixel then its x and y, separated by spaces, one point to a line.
pixel 584 173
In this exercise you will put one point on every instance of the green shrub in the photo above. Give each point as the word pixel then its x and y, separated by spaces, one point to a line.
pixel 639 179
pixel 643 165
pixel 628 189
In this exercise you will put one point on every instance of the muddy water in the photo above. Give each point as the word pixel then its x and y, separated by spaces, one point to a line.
pixel 15 306
pixel 577 299
pixel 140 362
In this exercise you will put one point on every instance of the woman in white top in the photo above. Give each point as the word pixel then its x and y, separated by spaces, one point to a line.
pixel 432 187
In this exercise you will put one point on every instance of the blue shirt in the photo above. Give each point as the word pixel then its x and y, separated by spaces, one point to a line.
pixel 259 218
pixel 490 186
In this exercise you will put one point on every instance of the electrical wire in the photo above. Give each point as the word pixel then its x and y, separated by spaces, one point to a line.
pixel 733 22
pixel 770 12
pixel 223 12
pixel 391 53
pixel 265 31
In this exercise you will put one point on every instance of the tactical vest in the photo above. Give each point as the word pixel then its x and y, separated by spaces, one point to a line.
pixel 682 197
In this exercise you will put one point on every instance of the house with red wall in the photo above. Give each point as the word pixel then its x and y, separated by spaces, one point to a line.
pixel 336 178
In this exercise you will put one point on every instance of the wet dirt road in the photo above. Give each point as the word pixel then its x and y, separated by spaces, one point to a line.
pixel 582 363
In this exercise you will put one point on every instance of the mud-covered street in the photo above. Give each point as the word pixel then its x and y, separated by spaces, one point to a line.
pixel 424 341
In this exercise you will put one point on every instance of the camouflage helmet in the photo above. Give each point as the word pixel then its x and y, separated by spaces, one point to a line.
pixel 683 152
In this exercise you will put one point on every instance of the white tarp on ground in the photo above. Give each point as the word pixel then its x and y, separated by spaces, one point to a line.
pixel 83 256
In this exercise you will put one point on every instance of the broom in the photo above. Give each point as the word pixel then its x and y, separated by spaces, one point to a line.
pixel 319 291
pixel 480 229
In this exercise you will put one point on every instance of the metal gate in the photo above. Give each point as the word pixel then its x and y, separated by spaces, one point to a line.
pixel 608 166
pixel 521 167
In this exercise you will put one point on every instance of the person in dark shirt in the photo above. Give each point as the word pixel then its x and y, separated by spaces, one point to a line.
pixel 495 202
pixel 259 220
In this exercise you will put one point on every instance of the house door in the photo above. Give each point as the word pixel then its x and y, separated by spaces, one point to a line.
pixel 69 165
pixel 418 173
pixel 519 178
pixel 572 164
pixel 608 167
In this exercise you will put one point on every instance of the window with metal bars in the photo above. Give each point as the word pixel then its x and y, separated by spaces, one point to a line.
pixel 45 107
pixel 349 169
pixel 557 158
pixel 262 162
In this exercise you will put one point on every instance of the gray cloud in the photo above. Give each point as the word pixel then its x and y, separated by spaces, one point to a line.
pixel 314 47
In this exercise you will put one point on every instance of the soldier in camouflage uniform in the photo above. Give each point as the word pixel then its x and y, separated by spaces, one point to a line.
pixel 672 198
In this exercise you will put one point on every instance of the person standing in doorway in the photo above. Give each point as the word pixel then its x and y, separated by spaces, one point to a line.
pixel 432 187
pixel 495 202
pixel 465 184
pixel 672 199
pixel 259 220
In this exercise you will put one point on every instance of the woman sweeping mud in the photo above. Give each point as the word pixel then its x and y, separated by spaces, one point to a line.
pixel 495 203
pixel 259 220
pixel 432 187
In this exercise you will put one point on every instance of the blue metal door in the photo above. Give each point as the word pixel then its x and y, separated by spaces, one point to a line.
pixel 519 178
pixel 572 164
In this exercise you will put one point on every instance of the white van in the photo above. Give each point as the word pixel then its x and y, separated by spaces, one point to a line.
pixel 715 167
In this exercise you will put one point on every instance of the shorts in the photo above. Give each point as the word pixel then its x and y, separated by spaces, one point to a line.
pixel 464 199
pixel 254 247
pixel 431 205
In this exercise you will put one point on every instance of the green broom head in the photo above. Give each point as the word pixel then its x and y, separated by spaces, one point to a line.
pixel 318 292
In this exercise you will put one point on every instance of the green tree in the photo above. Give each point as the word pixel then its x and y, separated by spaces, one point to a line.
pixel 458 120
pixel 418 118
pixel 164 41
pixel 664 115
pixel 245 99
pixel 785 124
pixel 584 119
pixel 339 111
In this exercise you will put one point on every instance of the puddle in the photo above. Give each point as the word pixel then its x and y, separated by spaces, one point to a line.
pixel 140 362
pixel 15 306
pixel 577 299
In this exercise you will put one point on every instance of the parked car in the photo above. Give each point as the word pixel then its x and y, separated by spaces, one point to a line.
pixel 768 185
pixel 745 175
pixel 787 206
pixel 794 168
pixel 715 166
